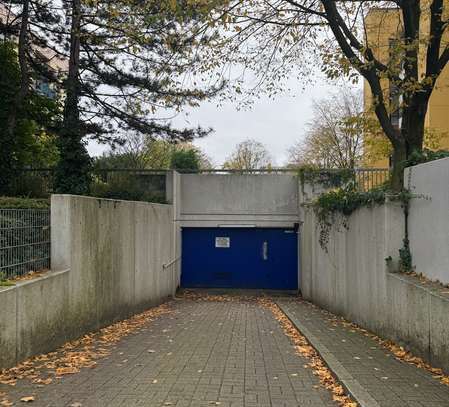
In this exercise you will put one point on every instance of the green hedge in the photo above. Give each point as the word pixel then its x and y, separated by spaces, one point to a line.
pixel 23 203
pixel 131 187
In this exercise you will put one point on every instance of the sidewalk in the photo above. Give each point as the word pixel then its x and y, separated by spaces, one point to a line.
pixel 371 373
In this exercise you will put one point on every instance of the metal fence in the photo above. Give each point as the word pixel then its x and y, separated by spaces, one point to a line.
pixel 149 184
pixel 363 179
pixel 33 182
pixel 24 241
pixel 369 178
pixel 133 184
pixel 130 184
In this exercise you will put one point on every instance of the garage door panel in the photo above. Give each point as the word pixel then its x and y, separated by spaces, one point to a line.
pixel 239 258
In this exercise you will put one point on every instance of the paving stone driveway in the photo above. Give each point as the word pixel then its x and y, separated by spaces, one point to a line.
pixel 205 353
pixel 390 382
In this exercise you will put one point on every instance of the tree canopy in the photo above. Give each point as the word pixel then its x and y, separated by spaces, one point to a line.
pixel 275 39
pixel 125 61
pixel 32 141
pixel 143 152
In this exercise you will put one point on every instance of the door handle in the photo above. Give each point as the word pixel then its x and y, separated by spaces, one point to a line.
pixel 265 250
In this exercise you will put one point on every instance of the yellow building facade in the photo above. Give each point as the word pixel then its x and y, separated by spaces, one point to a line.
pixel 383 27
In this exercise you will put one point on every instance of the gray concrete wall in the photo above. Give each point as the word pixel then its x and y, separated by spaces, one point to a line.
pixel 352 279
pixel 108 262
pixel 429 218
pixel 253 199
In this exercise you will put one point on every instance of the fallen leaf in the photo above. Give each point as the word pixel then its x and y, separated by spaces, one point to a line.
pixel 27 399
pixel 48 380
pixel 303 348
pixel 66 370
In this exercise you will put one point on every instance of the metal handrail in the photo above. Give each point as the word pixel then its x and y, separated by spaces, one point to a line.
pixel 167 265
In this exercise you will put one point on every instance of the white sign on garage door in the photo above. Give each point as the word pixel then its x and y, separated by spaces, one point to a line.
pixel 222 242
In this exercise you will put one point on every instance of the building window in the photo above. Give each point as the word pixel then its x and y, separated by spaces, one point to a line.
pixel 44 88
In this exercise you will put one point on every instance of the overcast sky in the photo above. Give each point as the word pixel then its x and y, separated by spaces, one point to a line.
pixel 276 123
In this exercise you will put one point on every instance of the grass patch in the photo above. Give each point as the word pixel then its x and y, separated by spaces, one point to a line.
pixel 4 281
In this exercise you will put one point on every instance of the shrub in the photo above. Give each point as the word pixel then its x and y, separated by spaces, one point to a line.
pixel 126 187
pixel 424 156
pixel 23 203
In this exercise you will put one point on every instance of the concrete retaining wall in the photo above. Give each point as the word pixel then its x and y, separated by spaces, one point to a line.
pixel 352 279
pixel 262 200
pixel 110 256
pixel 428 218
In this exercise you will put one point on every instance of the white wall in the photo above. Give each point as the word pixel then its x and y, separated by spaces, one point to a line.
pixel 429 218
pixel 352 279
pixel 256 199
pixel 108 262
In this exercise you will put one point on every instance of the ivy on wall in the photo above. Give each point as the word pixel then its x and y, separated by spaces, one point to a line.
pixel 337 204
pixel 342 201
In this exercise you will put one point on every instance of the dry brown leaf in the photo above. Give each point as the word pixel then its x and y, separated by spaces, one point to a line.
pixel 303 348
pixel 48 380
pixel 79 353
pixel 60 371
pixel 398 351
pixel 27 399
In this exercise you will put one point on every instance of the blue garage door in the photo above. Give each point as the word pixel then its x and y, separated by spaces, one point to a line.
pixel 240 258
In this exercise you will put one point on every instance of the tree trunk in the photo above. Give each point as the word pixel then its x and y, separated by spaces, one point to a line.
pixel 8 165
pixel 411 138
pixel 23 63
pixel 397 170
pixel 72 173
pixel 413 124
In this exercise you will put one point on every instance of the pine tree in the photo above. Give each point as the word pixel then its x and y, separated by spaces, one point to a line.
pixel 126 60
pixel 26 113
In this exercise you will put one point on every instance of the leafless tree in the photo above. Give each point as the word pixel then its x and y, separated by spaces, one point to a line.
pixel 334 137
pixel 249 155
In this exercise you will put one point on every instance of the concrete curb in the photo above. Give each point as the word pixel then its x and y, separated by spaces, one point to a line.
pixel 352 386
